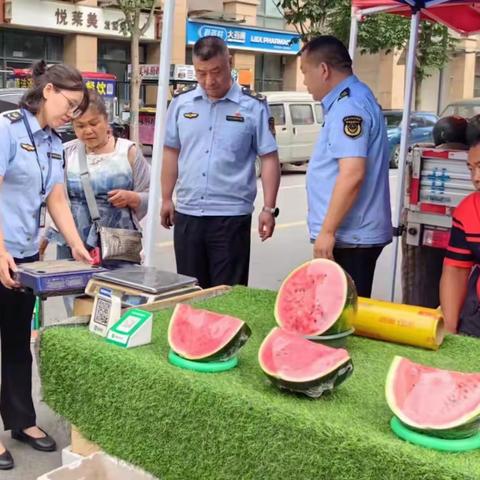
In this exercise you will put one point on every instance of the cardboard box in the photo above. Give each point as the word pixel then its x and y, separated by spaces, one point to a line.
pixel 69 457
pixel 98 466
pixel 82 305
pixel 80 445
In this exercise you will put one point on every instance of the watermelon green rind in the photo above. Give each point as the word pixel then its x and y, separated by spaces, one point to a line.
pixel 340 320
pixel 463 427
pixel 224 353
pixel 316 388
pixel 315 384
pixel 347 317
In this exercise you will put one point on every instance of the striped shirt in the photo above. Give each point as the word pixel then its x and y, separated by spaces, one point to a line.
pixel 464 247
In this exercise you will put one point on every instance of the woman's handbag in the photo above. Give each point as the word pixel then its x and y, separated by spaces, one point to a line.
pixel 115 243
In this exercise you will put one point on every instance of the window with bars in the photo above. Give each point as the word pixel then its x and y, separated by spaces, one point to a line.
pixel 20 49
pixel 114 57
pixel 268 72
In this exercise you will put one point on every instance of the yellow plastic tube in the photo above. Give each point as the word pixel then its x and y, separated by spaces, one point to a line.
pixel 392 322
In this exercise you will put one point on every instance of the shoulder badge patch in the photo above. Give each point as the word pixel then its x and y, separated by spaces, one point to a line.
pixel 190 115
pixel 27 147
pixel 344 93
pixel 14 116
pixel 253 94
pixel 352 126
pixel 271 125
pixel 186 89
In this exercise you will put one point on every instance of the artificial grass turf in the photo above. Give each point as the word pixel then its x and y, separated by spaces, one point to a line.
pixel 184 425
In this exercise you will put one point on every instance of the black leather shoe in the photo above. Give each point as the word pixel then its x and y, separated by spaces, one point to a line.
pixel 44 444
pixel 6 461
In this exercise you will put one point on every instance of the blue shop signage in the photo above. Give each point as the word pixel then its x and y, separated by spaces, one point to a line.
pixel 245 38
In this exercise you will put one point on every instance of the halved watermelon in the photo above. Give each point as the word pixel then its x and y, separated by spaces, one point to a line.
pixel 439 403
pixel 293 363
pixel 205 336
pixel 317 298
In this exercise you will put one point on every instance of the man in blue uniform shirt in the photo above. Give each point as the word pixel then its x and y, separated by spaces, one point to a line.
pixel 349 215
pixel 214 133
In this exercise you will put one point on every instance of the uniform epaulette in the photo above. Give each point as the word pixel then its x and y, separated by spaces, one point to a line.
pixel 253 94
pixel 344 93
pixel 13 116
pixel 183 90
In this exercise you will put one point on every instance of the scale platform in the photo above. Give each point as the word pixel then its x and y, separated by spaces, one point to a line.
pixel 56 277
pixel 146 279
pixel 129 287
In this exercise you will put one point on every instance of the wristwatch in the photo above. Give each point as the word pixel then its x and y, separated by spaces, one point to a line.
pixel 274 211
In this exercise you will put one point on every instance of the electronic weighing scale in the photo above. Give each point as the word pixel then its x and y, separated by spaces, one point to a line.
pixel 131 287
pixel 54 278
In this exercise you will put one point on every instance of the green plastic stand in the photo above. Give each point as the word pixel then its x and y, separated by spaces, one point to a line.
pixel 204 367
pixel 460 445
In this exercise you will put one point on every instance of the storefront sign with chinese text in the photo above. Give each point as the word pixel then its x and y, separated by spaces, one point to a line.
pixel 105 88
pixel 246 38
pixel 72 17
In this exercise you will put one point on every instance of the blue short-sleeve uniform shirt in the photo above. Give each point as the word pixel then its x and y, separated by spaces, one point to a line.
pixel 218 142
pixel 354 126
pixel 21 190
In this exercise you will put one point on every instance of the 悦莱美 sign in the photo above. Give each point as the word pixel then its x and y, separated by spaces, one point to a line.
pixel 71 17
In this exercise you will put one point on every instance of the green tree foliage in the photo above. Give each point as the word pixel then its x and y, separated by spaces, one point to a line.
pixel 380 32
pixel 134 26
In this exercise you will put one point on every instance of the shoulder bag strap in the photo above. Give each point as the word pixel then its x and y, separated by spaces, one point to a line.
pixel 87 185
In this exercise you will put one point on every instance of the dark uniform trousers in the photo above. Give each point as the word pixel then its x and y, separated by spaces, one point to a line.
pixel 360 264
pixel 16 309
pixel 215 250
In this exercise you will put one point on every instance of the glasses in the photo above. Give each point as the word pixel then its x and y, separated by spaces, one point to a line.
pixel 72 106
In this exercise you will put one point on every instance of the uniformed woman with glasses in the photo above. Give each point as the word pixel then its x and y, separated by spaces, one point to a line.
pixel 31 182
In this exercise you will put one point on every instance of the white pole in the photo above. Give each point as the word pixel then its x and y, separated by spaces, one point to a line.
pixel 352 44
pixel 153 215
pixel 407 108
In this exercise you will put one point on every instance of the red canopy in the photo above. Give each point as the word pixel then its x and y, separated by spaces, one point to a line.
pixel 464 17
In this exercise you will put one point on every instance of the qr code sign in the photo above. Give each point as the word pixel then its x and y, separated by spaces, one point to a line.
pixel 102 311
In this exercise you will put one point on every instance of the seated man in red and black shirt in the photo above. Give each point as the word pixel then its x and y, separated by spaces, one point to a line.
pixel 463 253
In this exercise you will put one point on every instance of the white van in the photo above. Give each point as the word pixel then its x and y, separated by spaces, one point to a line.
pixel 298 120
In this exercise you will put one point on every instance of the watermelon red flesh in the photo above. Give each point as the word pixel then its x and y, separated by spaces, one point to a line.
pixel 294 363
pixel 206 336
pixel 438 402
pixel 317 298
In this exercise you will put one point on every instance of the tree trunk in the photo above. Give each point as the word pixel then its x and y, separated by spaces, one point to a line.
pixel 135 80
pixel 418 92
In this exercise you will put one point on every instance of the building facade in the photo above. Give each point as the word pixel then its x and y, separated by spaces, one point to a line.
pixel 89 35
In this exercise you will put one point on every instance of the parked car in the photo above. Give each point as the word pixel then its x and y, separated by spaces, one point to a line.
pixel 298 120
pixel 420 131
pixel 9 100
pixel 466 108
pixel 10 97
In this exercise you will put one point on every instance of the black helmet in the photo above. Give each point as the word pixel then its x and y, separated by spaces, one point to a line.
pixel 473 131
pixel 450 130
